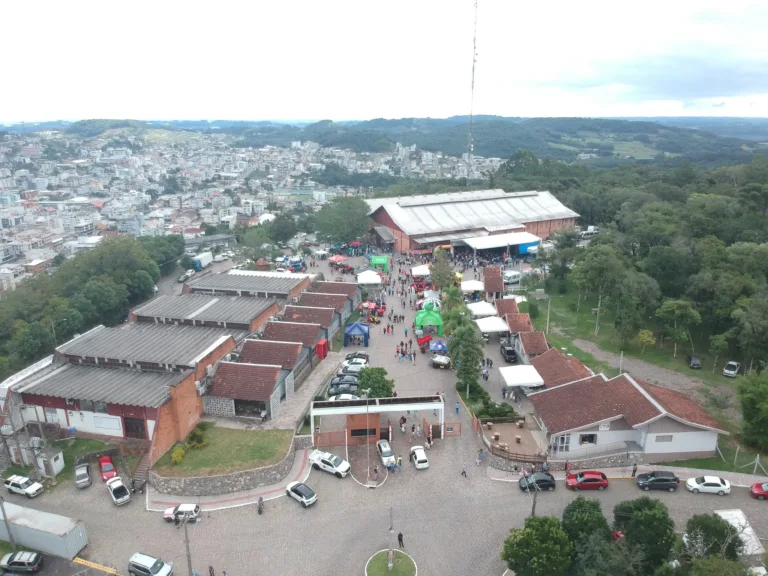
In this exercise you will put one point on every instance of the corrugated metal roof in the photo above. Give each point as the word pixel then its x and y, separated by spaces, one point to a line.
pixel 114 385
pixel 158 343
pixel 205 307
pixel 32 518
pixel 282 284
pixel 385 233
pixel 439 213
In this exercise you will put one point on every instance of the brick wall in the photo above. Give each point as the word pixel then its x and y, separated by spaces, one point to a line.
pixel 176 418
pixel 299 288
pixel 214 356
pixel 360 422
pixel 258 322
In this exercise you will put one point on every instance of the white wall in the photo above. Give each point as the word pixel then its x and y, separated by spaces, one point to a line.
pixel 150 428
pixel 95 423
pixel 694 441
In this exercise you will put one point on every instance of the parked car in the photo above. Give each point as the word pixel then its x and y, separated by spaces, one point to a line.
pixel 24 486
pixel 440 362
pixel 419 458
pixel 708 484
pixel 356 369
pixel 340 397
pixel 694 362
pixel 658 480
pixel 18 562
pixel 144 565
pixel 107 468
pixel 301 493
pixel 220 258
pixel 343 388
pixel 118 491
pixel 344 379
pixel 83 475
pixel 508 353
pixel 355 362
pixel 385 453
pixel 731 369
pixel 759 490
pixel 189 511
pixel 537 480
pixel 587 480
pixel 330 463
pixel 352 355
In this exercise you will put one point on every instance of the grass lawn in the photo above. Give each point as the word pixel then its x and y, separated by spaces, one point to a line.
pixel 473 404
pixel 403 565
pixel 73 448
pixel 5 548
pixel 305 429
pixel 229 450
pixel 732 462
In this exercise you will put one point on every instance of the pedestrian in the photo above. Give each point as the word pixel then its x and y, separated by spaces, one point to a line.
pixel 479 457
pixel 634 469
pixel 490 363
pixel 504 392
pixel 400 540
pixel 418 430
pixel 457 407
pixel 464 471
pixel 410 343
pixel 485 374
pixel 567 467
pixel 402 345
pixel 400 463
pixel 397 351
pixel 413 430
pixel 376 471
pixel 413 358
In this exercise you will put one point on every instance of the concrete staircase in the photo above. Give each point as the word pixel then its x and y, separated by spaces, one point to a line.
pixel 142 470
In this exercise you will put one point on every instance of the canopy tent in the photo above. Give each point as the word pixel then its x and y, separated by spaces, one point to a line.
pixel 492 324
pixel 429 317
pixel 431 295
pixel 525 376
pixel 337 258
pixel 459 275
pixel 425 302
pixel 472 286
pixel 380 261
pixel 321 252
pixel 480 309
pixel 356 329
pixel 355 243
pixel 501 240
pixel 368 306
pixel 516 297
pixel 422 270
pixel 438 346
pixel 368 277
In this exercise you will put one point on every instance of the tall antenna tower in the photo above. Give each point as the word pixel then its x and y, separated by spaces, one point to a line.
pixel 470 144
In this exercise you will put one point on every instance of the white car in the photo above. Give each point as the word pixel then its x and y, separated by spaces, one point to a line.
pixel 343 397
pixel 189 511
pixel 731 369
pixel 330 463
pixel 355 362
pixel 419 458
pixel 711 484
pixel 301 493
pixel 220 258
pixel 385 453
pixel 118 491
pixel 24 486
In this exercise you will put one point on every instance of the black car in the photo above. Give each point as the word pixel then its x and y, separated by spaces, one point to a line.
pixel 508 353
pixel 658 480
pixel 540 480
pixel 694 362
pixel 345 379
pixel 356 355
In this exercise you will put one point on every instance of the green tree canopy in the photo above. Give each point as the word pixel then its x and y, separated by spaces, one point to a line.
pixel 283 228
pixel 711 535
pixel 647 526
pixel 376 382
pixel 540 547
pixel 583 518
pixel 441 274
pixel 753 393
pixel 343 219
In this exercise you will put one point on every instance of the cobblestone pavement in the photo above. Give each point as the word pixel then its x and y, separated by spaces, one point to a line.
pixel 451 524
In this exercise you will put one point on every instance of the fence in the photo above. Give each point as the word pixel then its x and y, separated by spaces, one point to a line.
pixel 514 456
pixel 595 450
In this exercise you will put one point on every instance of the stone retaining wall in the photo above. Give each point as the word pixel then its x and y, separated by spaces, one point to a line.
pixel 303 442
pixel 613 461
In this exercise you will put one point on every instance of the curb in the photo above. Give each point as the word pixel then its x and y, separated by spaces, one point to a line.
pixel 416 573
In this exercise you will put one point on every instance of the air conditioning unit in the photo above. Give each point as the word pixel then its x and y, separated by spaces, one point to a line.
pixel 69 402
pixel 6 430
pixel 228 357
pixel 234 356
pixel 209 370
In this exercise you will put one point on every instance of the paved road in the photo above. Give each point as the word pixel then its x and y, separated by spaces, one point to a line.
pixel 169 285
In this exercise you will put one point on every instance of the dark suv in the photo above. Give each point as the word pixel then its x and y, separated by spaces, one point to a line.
pixel 508 353
pixel 658 480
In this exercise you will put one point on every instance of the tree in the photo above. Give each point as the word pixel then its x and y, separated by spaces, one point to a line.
pixel 376 383
pixel 441 274
pixel 31 341
pixel 283 228
pixel 343 219
pixel 753 392
pixel 750 326
pixel 714 566
pixel 582 518
pixel 718 345
pixel 101 303
pixel 596 555
pixel 711 535
pixel 647 526
pixel 187 262
pixel 678 317
pixel 540 547
pixel 646 338
pixel 600 270
pixel 452 298
pixel 669 266
pixel 466 350
pixel 455 318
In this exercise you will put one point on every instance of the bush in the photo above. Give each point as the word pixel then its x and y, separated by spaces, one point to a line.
pixel 177 455
pixel 475 391
pixel 533 309
pixel 196 438
pixel 493 410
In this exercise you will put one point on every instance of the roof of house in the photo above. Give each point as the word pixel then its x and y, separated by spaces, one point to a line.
pixel 286 354
pixel 506 306
pixel 491 272
pixel 113 385
pixel 680 405
pixel 519 322
pixel 336 301
pixel 557 368
pixel 310 315
pixel 292 332
pixel 252 382
pixel 348 288
pixel 534 342
pixel 490 209
pixel 206 308
pixel 152 343
pixel 493 284
pixel 274 284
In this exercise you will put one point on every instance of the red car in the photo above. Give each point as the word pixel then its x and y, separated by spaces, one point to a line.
pixel 107 468
pixel 759 490
pixel 586 480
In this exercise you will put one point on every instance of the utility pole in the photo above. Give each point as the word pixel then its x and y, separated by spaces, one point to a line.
pixel 391 553
pixel 535 493
pixel 7 524
pixel 186 543
pixel 549 306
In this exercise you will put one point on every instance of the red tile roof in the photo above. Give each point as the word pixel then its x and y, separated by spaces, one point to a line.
pixel 592 400
pixel 493 284
pixel 680 405
pixel 286 354
pixel 292 332
pixel 556 369
pixel 519 323
pixel 348 288
pixel 534 342
pixel 506 306
pixel 335 301
pixel 491 272
pixel 253 382
pixel 306 314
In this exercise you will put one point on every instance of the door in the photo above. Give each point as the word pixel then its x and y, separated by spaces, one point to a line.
pixel 134 428
pixel 52 415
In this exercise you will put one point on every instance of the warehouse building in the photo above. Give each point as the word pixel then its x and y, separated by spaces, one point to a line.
pixel 339 302
pixel 351 289
pixel 279 285
pixel 326 317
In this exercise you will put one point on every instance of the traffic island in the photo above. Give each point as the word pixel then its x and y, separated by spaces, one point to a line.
pixel 403 565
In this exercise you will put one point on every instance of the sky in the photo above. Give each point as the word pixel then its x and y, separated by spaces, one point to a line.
pixel 362 59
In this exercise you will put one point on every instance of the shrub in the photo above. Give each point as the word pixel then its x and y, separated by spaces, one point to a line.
pixel 177 455
pixel 533 309
pixel 493 410
pixel 196 438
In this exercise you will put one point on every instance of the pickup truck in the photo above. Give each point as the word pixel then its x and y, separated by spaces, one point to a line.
pixel 24 486
pixel 330 463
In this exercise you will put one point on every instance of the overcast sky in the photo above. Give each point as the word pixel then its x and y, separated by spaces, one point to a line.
pixel 360 59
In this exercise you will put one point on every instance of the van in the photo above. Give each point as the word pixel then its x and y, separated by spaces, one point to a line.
pixel 511 277
pixel 590 232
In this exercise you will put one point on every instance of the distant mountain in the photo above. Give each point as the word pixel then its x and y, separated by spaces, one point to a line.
pixel 744 128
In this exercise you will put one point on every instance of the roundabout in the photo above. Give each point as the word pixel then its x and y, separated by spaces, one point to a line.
pixel 403 564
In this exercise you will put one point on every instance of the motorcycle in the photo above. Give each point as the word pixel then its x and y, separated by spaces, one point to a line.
pixel 261 505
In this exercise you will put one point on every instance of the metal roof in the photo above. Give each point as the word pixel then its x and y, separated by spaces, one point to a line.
pixel 113 385
pixel 275 283
pixel 143 342
pixel 501 240
pixel 32 518
pixel 458 211
pixel 205 307
pixel 384 233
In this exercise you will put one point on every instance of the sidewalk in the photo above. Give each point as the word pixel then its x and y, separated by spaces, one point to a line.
pixel 735 478
pixel 157 502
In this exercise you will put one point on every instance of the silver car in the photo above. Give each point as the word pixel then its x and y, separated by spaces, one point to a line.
pixel 83 475
pixel 385 453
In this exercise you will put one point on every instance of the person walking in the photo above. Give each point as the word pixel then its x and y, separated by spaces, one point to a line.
pixel 413 358
pixel 490 363
pixel 400 540
pixel 464 471
pixel 567 467
pixel 376 472
pixel 400 463
pixel 457 407
pixel 418 430
pixel 634 469
pixel 503 392
pixel 413 430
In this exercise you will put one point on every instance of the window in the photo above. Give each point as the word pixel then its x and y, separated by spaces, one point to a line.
pixel 86 406
pixel 588 439
pixel 364 432
pixel 101 407
pixel 664 438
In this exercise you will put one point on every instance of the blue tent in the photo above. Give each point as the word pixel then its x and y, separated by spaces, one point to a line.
pixel 356 329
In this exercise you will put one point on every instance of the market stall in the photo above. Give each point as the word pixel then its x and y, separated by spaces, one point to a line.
pixel 355 332
pixel 524 376
pixel 472 286
pixel 482 309
pixel 369 277
pixel 422 270
pixel 492 324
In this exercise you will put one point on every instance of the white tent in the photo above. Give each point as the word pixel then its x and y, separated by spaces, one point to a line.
pixel 420 270
pixel 368 277
pixel 480 309
pixel 321 252
pixel 525 376
pixel 516 297
pixel 492 324
pixel 472 286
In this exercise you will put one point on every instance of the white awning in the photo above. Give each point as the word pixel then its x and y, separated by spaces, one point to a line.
pixel 472 286
pixel 492 324
pixel 501 240
pixel 368 277
pixel 524 376
pixel 479 309
pixel 420 270
pixel 321 252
